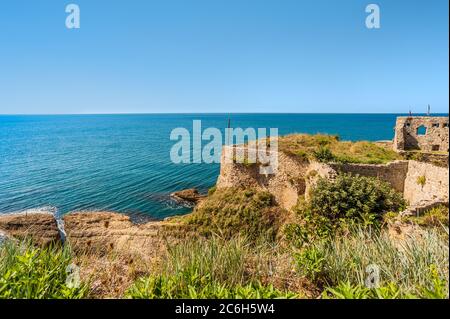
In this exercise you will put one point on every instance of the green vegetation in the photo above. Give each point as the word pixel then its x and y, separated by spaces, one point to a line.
pixel 232 211
pixel 435 217
pixel 421 180
pixel 213 268
pixel 191 286
pixel 324 155
pixel 329 148
pixel 436 158
pixel 344 259
pixel 338 235
pixel 31 272
pixel 340 204
pixel 345 290
pixel 212 190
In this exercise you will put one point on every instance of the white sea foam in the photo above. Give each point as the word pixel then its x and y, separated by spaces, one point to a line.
pixel 38 210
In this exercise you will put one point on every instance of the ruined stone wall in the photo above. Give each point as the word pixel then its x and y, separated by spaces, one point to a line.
pixel 294 178
pixel 393 173
pixel 286 185
pixel 426 183
pixel 408 137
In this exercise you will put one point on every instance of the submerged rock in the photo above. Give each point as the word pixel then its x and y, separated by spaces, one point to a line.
pixel 190 195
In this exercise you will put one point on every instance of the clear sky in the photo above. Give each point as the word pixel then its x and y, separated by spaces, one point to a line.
pixel 190 56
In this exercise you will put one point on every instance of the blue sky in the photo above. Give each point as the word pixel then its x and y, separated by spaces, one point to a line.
pixel 223 56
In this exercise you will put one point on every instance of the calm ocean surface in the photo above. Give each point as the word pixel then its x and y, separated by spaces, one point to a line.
pixel 122 162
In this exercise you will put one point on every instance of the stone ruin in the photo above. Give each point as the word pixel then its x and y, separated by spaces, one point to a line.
pixel 424 133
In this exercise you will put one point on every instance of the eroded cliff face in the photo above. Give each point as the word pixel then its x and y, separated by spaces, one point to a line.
pixel 295 177
pixel 285 185
pixel 104 231
pixel 87 232
pixel 38 227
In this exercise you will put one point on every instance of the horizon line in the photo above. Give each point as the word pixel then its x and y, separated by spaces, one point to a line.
pixel 214 113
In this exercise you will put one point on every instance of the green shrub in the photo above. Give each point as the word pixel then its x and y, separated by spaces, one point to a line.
pixel 36 273
pixel 310 261
pixel 232 211
pixel 353 196
pixel 324 155
pixel 341 204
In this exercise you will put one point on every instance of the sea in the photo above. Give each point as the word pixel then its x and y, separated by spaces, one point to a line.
pixel 121 162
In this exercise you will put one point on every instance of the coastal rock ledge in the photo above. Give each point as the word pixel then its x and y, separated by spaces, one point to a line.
pixel 191 196
pixel 86 231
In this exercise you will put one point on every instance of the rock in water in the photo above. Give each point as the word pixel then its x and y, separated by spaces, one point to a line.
pixel 190 195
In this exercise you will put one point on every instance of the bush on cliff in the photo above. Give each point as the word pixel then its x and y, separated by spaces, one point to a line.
pixel 29 272
pixel 232 211
pixel 342 203
pixel 353 197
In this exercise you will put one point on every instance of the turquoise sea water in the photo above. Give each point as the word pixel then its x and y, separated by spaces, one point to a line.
pixel 122 162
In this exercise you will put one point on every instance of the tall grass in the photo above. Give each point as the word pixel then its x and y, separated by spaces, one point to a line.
pixel 223 261
pixel 29 272
pixel 413 265
pixel 211 268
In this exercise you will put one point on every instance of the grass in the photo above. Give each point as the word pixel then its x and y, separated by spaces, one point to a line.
pixel 329 148
pixel 30 272
pixel 416 267
pixel 206 268
pixel 231 211
pixel 435 217
pixel 436 158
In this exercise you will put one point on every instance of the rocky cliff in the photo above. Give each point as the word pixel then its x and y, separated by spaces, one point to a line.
pixel 419 182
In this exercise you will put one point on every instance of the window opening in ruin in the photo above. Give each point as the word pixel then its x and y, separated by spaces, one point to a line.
pixel 422 130
pixel 435 148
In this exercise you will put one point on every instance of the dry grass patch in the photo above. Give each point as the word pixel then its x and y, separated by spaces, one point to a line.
pixel 329 148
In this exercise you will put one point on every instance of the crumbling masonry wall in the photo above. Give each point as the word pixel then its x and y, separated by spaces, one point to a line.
pixel 420 183
pixel 426 133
